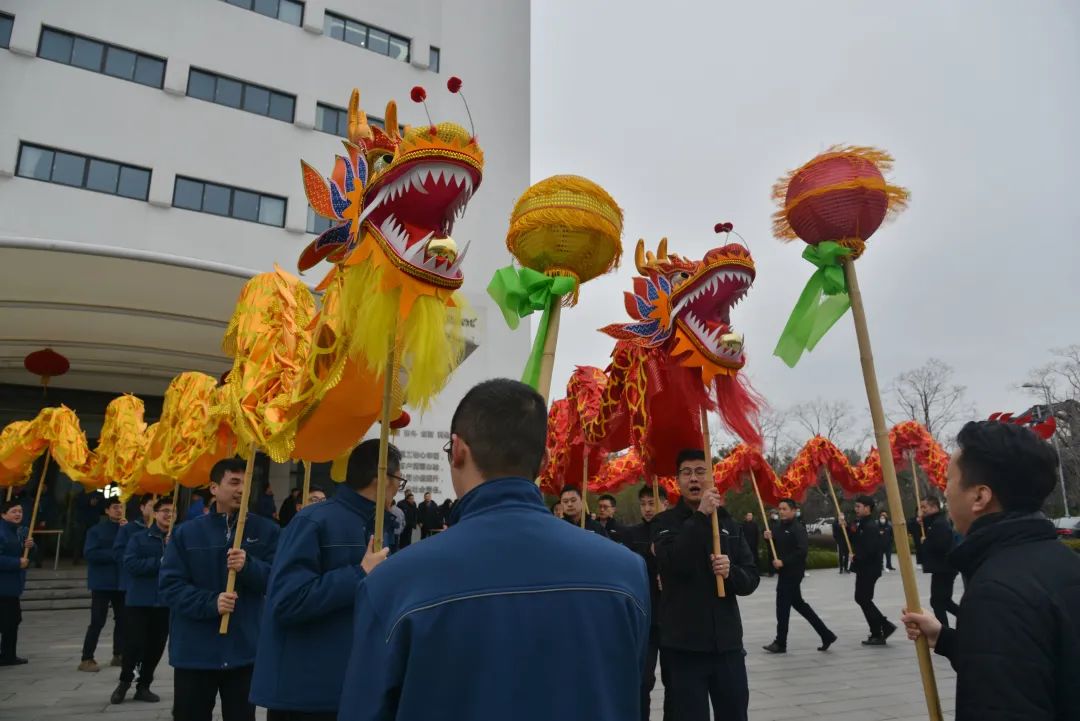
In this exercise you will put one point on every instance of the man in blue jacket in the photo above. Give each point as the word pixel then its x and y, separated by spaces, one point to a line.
pixel 13 540
pixel 323 554
pixel 146 615
pixel 193 576
pixel 103 580
pixel 123 535
pixel 461 627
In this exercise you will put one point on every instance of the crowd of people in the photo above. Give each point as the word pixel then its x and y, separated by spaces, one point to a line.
pixel 322 626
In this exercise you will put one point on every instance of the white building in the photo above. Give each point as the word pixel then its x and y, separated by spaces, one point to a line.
pixel 109 110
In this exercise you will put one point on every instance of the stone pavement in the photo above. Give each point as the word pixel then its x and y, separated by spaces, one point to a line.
pixel 849 683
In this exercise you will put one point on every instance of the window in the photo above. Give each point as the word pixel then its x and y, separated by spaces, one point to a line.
pixel 288 11
pixel 99 57
pixel 241 95
pixel 366 36
pixel 334 120
pixel 433 59
pixel 6 21
pixel 227 201
pixel 83 171
pixel 316 223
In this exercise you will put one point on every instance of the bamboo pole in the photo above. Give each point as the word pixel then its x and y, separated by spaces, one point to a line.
pixel 584 484
pixel 839 514
pixel 307 483
pixel 176 508
pixel 37 501
pixel 547 360
pixel 656 493
pixel 918 499
pixel 384 437
pixel 707 442
pixel 892 487
pixel 10 492
pixel 764 516
pixel 238 537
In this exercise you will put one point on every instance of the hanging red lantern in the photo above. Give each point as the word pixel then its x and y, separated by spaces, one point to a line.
pixel 46 363
pixel 401 421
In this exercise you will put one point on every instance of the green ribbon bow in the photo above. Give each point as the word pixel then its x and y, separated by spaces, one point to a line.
pixel 824 301
pixel 520 291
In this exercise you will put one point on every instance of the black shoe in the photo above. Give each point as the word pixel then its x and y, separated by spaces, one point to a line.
pixel 874 641
pixel 775 647
pixel 887 630
pixel 13 661
pixel 120 692
pixel 143 693
pixel 826 642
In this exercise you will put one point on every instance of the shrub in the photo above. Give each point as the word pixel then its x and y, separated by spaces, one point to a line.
pixel 819 558
pixel 1073 543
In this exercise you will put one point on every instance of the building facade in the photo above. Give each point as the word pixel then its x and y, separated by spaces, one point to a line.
pixel 149 165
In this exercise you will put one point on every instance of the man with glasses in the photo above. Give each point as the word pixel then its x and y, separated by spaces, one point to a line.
pixel 431 621
pixel 700 633
pixel 307 624
pixel 605 518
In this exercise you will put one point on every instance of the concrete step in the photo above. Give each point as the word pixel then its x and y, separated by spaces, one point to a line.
pixel 35 605
pixel 49 590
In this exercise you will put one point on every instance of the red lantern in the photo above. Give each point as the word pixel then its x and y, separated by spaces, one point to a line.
pixel 46 363
pixel 401 421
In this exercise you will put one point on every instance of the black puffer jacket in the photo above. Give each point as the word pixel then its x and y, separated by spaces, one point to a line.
pixel 639 540
pixel 938 544
pixel 869 547
pixel 1016 647
pixel 692 616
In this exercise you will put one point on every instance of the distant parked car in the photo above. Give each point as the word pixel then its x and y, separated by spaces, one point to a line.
pixel 823 526
pixel 1068 527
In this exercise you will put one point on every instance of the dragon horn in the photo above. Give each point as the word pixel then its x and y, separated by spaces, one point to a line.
pixel 390 121
pixel 639 256
pixel 661 250
pixel 358 125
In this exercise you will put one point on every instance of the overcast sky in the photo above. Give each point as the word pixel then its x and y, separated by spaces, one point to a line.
pixel 687 112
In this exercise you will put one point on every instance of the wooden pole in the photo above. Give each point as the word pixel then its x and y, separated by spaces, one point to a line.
pixel 892 488
pixel 384 437
pixel 10 492
pixel 176 508
pixel 307 483
pixel 584 484
pixel 547 360
pixel 37 501
pixel 707 442
pixel 656 493
pixel 918 499
pixel 764 516
pixel 839 513
pixel 238 537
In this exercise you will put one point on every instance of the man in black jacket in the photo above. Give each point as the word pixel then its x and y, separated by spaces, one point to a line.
pixel 936 548
pixel 839 526
pixel 639 540
pixel 790 564
pixel 570 498
pixel 866 563
pixel 408 507
pixel 1016 645
pixel 700 633
pixel 429 516
pixel 751 532
pixel 605 518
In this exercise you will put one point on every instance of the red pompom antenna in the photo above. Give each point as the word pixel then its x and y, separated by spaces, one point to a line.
pixel 723 227
pixel 419 95
pixel 454 85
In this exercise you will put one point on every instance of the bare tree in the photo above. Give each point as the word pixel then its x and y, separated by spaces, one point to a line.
pixel 928 395
pixel 819 417
pixel 1059 382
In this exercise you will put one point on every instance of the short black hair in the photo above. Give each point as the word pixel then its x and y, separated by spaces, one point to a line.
pixel 112 501
pixel 163 501
pixel 504 423
pixel 6 506
pixel 569 489
pixel 688 454
pixel 145 498
pixel 608 497
pixel 363 466
pixel 646 490
pixel 866 501
pixel 1018 466
pixel 933 501
pixel 227 465
pixel 790 501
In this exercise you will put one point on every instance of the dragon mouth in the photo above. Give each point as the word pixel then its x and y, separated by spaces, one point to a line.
pixel 703 310
pixel 416 229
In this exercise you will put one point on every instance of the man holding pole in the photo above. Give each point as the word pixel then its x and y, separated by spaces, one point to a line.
pixel 866 563
pixel 792 547
pixel 103 580
pixel 193 579
pixel 700 632
pixel 307 627
pixel 13 562
pixel 936 548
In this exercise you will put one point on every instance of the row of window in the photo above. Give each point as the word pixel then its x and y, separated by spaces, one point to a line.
pixel 130 181
pixel 334 120
pixel 241 95
pixel 98 57
pixel 289 11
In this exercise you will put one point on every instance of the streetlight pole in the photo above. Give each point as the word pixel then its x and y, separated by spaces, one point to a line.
pixel 1049 410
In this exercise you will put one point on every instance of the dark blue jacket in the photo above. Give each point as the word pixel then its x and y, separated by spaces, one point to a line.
pixel 307 627
pixel 12 578
pixel 120 546
pixel 102 570
pixel 509 591
pixel 192 576
pixel 142 561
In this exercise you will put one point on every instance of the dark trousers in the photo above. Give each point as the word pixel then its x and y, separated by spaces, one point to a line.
pixel 941 590
pixel 648 681
pixel 99 614
pixel 843 558
pixel 10 618
pixel 888 559
pixel 864 596
pixel 695 679
pixel 789 596
pixel 272 715
pixel 196 692
pixel 146 628
pixel 406 537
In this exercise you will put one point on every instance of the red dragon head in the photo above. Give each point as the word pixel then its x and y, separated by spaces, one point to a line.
pixel 685 305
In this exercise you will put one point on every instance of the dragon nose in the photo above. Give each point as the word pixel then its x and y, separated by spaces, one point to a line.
pixel 444 248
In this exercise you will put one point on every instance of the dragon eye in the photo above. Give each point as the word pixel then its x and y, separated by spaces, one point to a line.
pixel 382 161
pixel 679 278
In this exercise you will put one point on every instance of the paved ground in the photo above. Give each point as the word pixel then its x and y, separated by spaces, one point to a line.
pixel 850 682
